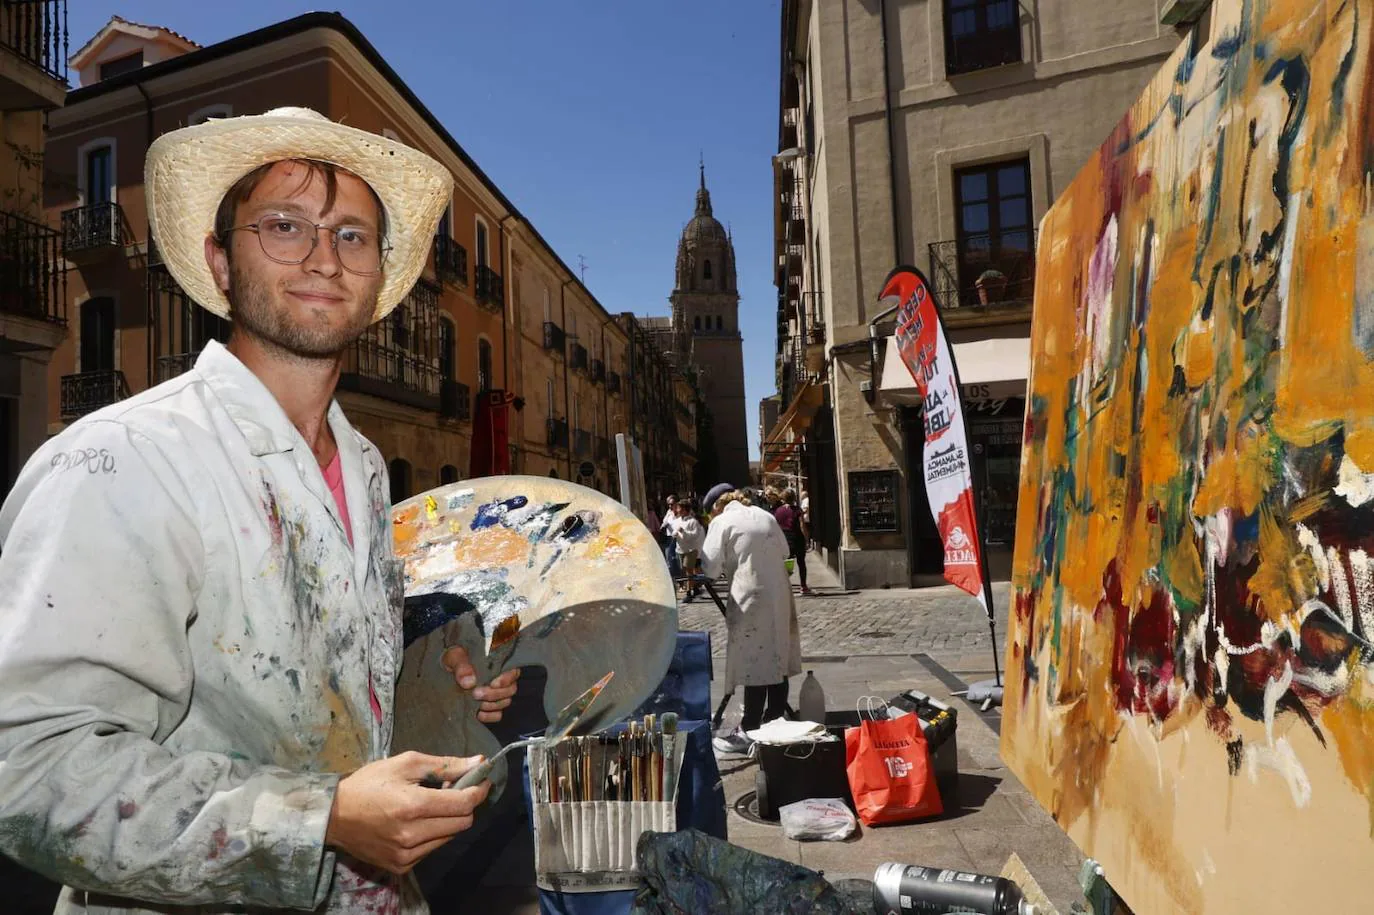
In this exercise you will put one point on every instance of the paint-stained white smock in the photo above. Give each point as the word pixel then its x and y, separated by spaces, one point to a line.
pixel 187 641
pixel 764 641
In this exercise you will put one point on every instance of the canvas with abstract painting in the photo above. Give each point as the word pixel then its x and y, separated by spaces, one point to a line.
pixel 1191 678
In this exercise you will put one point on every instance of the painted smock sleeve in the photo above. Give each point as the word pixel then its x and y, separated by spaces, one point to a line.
pixel 101 564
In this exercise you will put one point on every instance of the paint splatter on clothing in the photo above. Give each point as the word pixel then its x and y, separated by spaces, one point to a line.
pixel 194 651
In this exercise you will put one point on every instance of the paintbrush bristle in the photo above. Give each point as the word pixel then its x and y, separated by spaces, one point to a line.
pixel 669 722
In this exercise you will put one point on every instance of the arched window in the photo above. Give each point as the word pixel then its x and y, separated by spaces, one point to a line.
pixel 706 271
pixel 483 366
pixel 448 474
pixel 696 322
pixel 399 469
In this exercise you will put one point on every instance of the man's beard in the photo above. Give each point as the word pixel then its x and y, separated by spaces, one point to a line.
pixel 254 312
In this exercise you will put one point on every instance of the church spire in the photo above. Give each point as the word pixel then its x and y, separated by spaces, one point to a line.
pixel 703 195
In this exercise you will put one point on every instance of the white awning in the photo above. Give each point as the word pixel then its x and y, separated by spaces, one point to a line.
pixel 988 370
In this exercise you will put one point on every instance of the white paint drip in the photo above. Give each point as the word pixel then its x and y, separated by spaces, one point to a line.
pixel 1280 758
pixel 1290 234
pixel 1101 279
pixel 1308 540
pixel 1274 691
pixel 1355 486
pixel 1340 587
pixel 1362 572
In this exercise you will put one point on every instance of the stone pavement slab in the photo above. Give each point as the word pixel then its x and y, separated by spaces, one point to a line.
pixel 995 817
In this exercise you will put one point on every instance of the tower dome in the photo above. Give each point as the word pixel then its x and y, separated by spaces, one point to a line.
pixel 706 253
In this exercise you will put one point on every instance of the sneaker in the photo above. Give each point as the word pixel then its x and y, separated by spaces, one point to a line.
pixel 733 743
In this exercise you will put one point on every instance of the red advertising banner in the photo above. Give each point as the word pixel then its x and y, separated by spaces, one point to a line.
pixel 945 460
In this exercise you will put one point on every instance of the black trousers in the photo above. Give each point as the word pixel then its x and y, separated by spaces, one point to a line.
pixel 798 545
pixel 756 697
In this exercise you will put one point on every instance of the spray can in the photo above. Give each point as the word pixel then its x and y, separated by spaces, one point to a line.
pixel 899 889
pixel 811 704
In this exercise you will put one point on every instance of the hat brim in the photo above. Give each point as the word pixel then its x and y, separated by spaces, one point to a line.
pixel 189 171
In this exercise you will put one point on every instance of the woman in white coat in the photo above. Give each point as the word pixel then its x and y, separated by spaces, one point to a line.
pixel 764 642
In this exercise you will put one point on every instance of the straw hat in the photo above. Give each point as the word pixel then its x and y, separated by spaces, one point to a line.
pixel 190 170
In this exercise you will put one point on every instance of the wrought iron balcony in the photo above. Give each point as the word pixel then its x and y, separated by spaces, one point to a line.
pixel 87 391
pixel 577 357
pixel 36 30
pixel 598 372
pixel 91 231
pixel 557 430
pixel 32 282
pixel 984 271
pixel 613 382
pixel 455 400
pixel 582 442
pixel 490 290
pixel 554 338
pixel 397 358
pixel 450 262
pixel 180 328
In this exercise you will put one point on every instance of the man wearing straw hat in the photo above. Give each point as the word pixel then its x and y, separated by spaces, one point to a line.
pixel 200 625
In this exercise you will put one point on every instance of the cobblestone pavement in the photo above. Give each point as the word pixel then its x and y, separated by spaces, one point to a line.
pixel 943 622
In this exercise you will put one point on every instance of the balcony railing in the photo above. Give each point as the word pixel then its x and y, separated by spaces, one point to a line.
pixel 32 282
pixel 455 400
pixel 554 338
pixel 984 271
pixel 557 431
pixel 87 391
pixel 489 291
pixel 181 328
pixel 613 382
pixel 36 30
pixel 582 442
pixel 397 358
pixel 577 357
pixel 92 230
pixel 450 262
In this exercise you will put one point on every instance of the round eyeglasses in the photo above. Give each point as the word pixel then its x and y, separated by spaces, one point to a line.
pixel 291 239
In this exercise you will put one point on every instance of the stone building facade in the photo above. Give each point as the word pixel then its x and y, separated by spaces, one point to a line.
pixel 932 133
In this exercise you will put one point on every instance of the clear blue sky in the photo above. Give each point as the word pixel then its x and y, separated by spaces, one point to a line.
pixel 590 116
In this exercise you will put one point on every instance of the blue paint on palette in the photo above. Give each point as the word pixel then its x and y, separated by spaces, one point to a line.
pixel 493 512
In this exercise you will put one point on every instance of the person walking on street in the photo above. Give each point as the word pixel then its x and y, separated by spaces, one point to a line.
pixel 689 534
pixel 202 624
pixel 764 640
pixel 793 524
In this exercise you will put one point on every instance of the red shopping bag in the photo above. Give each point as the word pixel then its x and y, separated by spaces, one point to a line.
pixel 890 775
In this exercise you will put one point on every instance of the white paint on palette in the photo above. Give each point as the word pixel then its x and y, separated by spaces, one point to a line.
pixel 1280 758
pixel 1308 540
pixel 1290 232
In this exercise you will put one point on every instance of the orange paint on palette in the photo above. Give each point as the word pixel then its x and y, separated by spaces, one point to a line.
pixel 613 543
pixel 405 529
pixel 492 547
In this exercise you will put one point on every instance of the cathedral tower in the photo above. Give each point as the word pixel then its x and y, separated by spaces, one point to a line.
pixel 706 333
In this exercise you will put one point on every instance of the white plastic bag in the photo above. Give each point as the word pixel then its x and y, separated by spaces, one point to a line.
pixel 818 818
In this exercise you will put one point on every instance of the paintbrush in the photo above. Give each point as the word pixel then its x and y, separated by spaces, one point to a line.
pixel 651 757
pixel 669 755
pixel 562 723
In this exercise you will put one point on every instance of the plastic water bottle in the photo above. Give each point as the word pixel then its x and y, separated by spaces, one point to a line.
pixel 811 705
pixel 899 889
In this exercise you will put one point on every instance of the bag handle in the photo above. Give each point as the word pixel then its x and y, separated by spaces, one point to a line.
pixel 866 703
